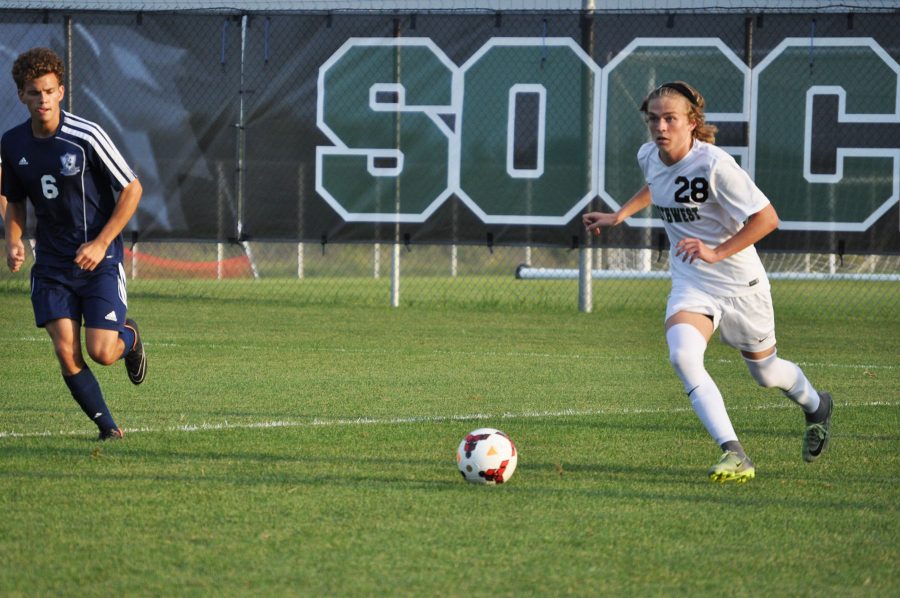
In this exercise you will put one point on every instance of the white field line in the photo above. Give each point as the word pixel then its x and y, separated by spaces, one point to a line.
pixel 425 419
pixel 512 354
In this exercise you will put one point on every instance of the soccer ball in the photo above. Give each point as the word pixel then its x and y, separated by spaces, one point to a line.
pixel 486 456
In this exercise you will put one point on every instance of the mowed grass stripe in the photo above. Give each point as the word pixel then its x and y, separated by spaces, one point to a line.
pixel 425 419
pixel 165 345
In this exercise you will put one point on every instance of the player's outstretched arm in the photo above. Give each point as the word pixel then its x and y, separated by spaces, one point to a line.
pixel 594 221
pixel 90 254
pixel 15 228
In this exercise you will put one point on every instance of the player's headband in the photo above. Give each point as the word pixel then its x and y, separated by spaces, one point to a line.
pixel 682 89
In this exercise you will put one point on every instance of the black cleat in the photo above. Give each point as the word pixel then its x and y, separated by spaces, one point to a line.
pixel 136 360
pixel 817 434
pixel 111 434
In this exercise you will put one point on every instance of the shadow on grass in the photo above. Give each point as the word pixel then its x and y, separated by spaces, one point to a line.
pixel 192 471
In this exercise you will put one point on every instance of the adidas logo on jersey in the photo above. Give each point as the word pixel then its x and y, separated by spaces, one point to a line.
pixel 23 162
pixel 111 316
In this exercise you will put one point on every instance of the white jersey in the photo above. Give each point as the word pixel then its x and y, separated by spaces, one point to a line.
pixel 706 196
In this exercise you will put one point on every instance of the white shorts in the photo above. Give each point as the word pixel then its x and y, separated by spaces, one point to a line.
pixel 746 323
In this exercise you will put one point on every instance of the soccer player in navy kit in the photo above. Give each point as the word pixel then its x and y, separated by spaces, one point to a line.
pixel 713 214
pixel 83 195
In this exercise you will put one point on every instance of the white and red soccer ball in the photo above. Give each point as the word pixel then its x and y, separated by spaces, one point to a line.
pixel 486 456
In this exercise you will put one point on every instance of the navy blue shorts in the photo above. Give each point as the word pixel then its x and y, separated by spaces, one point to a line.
pixel 98 298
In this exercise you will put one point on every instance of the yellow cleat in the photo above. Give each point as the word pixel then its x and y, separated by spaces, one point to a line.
pixel 731 467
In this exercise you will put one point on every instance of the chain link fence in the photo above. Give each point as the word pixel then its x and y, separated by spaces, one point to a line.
pixel 445 158
pixel 467 276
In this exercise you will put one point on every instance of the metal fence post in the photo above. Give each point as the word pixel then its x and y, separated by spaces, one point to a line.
pixel 585 251
pixel 395 249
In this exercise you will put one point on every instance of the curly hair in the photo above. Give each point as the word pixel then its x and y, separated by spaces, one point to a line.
pixel 696 106
pixel 34 64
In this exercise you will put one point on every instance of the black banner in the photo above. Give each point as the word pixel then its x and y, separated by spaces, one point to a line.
pixel 476 128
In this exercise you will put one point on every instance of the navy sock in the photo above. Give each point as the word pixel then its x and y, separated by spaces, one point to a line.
pixel 127 336
pixel 86 391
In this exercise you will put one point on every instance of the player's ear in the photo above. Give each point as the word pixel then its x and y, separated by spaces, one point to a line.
pixel 62 92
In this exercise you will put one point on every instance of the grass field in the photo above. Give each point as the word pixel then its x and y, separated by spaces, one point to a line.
pixel 294 449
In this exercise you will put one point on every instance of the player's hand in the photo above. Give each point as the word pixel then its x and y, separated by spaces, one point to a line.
pixel 594 221
pixel 15 255
pixel 90 254
pixel 695 249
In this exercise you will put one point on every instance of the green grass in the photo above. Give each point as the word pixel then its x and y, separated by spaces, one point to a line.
pixel 282 446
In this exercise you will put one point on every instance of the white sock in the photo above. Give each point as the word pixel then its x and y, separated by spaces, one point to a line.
pixel 686 349
pixel 774 372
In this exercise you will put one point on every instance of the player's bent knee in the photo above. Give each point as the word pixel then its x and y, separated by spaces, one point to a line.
pixel 686 349
pixel 685 357
pixel 762 380
pixel 681 359
pixel 764 371
pixel 689 366
pixel 105 355
pixel 103 346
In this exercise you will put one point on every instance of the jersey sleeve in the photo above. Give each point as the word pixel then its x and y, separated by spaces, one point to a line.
pixel 107 159
pixel 102 153
pixel 643 157
pixel 12 187
pixel 735 190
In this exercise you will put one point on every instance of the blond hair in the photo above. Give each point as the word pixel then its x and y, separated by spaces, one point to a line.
pixel 703 131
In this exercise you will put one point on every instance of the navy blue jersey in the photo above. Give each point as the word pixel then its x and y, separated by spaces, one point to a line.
pixel 73 179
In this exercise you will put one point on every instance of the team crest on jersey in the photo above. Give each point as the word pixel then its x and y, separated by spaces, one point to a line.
pixel 69 165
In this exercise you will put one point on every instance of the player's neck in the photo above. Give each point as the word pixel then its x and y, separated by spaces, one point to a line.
pixel 42 130
pixel 675 156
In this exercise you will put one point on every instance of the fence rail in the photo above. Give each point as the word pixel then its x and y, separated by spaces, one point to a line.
pixel 308 150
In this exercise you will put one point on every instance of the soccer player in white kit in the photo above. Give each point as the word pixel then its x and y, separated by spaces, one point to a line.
pixel 713 214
